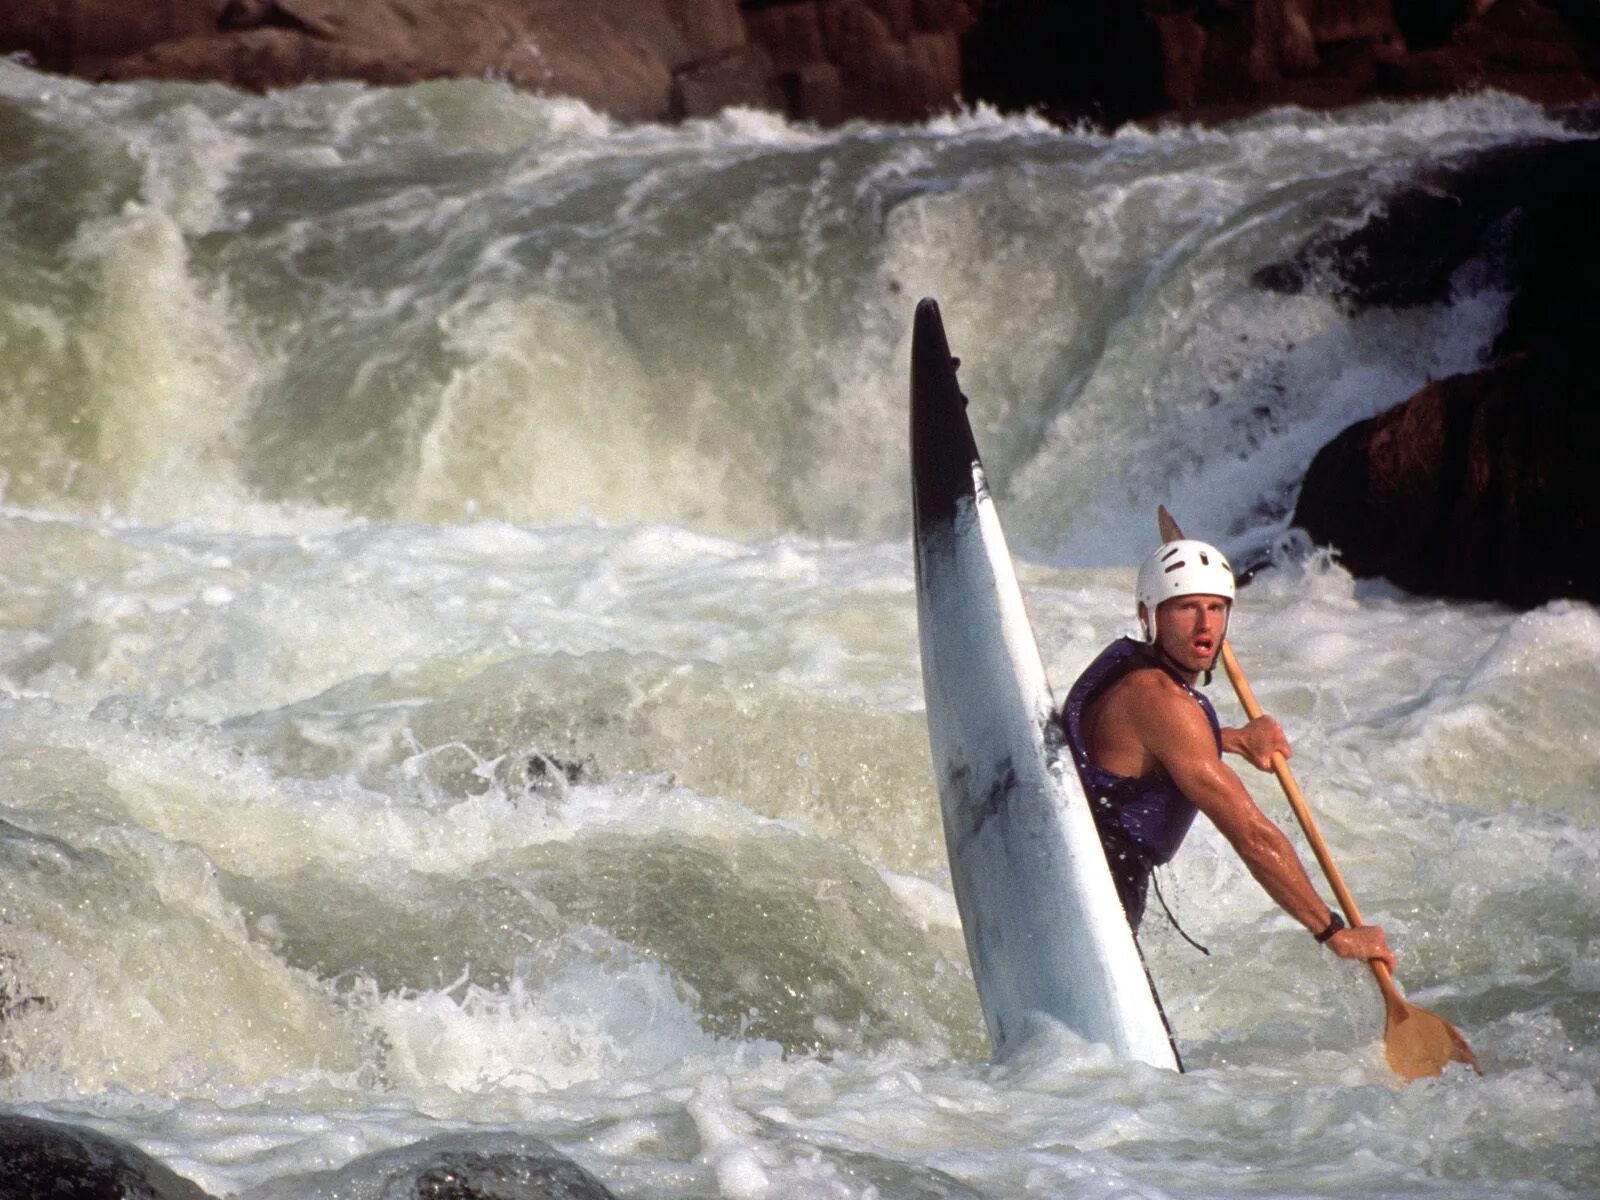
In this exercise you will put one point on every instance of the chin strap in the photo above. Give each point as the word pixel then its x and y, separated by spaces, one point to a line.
pixel 1162 659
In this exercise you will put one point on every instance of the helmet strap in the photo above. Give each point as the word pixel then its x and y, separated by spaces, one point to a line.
pixel 1159 652
pixel 1165 659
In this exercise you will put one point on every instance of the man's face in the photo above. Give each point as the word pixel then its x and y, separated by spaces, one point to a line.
pixel 1190 629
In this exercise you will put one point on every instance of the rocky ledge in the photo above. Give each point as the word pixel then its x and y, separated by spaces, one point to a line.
pixel 651 60
pixel 832 60
pixel 1481 486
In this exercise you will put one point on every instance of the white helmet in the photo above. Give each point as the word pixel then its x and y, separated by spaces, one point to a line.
pixel 1181 568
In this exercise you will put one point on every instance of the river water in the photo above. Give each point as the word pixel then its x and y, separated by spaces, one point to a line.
pixel 458 663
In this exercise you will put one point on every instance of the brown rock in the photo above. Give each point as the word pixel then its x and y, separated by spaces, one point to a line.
pixel 936 60
pixel 682 33
pixel 320 19
pixel 818 94
pixel 1481 486
pixel 583 55
pixel 1097 59
pixel 258 59
pixel 81 35
pixel 857 38
pixel 1183 57
pixel 882 59
pixel 1355 20
pixel 1296 49
pixel 743 80
pixel 561 46
pixel 1427 72
pixel 711 28
pixel 898 15
pixel 791 34
pixel 1105 60
pixel 952 16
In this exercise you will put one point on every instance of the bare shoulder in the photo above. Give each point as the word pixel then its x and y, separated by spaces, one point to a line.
pixel 1158 711
pixel 1141 689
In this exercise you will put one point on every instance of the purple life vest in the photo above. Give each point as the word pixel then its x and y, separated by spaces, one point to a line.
pixel 1147 816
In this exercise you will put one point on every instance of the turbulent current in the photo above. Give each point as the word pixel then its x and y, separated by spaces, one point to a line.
pixel 458 655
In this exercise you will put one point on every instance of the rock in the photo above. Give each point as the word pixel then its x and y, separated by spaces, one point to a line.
pixel 1112 61
pixel 744 79
pixel 1183 56
pixel 1519 46
pixel 1107 61
pixel 457 1166
pixel 567 48
pixel 1523 214
pixel 1481 485
pixel 1100 60
pixel 791 33
pixel 823 60
pixel 81 35
pixel 45 1160
pixel 888 60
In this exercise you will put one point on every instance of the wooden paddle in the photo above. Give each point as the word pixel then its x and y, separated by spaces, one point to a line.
pixel 1416 1042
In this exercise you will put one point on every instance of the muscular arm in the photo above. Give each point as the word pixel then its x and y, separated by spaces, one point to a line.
pixel 1176 734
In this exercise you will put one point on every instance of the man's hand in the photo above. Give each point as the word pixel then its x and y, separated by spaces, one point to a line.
pixel 1363 943
pixel 1257 741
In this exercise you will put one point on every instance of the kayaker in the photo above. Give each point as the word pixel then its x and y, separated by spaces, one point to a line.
pixel 1148 747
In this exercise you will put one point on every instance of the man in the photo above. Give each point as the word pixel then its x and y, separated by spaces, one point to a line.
pixel 1149 748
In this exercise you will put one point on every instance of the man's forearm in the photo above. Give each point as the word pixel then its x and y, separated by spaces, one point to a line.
pixel 1273 862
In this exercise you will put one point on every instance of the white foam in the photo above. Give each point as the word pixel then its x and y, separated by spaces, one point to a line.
pixel 312 544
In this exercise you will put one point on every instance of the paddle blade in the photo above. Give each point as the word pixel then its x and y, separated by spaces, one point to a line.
pixel 1167 525
pixel 1418 1043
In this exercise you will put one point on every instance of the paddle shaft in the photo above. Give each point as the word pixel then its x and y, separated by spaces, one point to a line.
pixel 1170 531
pixel 1416 1042
pixel 1291 789
pixel 1308 823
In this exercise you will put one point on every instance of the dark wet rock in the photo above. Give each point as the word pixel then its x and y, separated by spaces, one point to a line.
pixel 1516 211
pixel 15 1000
pixel 46 1160
pixel 634 59
pixel 496 1166
pixel 1113 60
pixel 1543 51
pixel 831 60
pixel 545 774
pixel 1102 59
pixel 875 1175
pixel 1482 485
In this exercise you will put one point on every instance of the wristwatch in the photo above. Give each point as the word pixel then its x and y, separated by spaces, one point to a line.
pixel 1335 923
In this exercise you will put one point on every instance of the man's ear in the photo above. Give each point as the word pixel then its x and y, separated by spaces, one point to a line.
pixel 1144 623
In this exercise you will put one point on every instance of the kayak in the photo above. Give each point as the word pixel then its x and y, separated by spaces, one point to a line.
pixel 1044 929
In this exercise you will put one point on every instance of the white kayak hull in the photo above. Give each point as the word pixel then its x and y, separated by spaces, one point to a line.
pixel 1044 929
